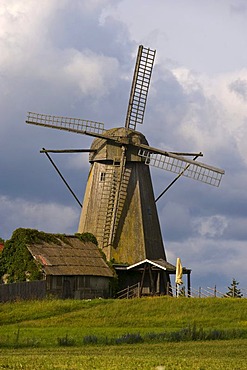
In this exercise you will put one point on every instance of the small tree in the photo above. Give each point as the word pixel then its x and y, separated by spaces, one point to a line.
pixel 233 291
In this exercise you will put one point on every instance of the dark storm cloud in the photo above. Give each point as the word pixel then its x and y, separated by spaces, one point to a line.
pixel 39 66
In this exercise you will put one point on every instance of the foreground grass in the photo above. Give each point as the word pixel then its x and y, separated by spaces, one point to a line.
pixel 189 356
pixel 30 334
pixel 155 312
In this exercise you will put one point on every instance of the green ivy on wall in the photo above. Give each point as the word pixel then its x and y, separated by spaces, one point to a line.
pixel 17 263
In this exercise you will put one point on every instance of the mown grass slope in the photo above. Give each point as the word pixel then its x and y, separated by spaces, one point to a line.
pixel 156 314
pixel 49 334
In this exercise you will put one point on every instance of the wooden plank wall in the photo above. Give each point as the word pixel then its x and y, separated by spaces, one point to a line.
pixel 23 291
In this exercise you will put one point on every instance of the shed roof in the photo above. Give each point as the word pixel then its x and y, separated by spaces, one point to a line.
pixel 70 256
pixel 160 264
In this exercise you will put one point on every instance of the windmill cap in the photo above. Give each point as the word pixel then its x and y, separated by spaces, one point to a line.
pixel 107 149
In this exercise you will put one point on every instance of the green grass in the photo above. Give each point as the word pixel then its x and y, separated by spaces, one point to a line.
pixel 216 355
pixel 56 334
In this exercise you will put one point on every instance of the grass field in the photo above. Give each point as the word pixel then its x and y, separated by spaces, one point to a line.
pixel 147 333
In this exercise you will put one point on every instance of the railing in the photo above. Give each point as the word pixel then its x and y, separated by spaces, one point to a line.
pixel 204 292
pixel 132 291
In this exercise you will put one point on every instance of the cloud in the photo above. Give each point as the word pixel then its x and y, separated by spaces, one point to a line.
pixel 210 227
pixel 212 263
pixel 38 47
pixel 49 217
pixel 77 59
pixel 91 73
pixel 238 7
pixel 240 88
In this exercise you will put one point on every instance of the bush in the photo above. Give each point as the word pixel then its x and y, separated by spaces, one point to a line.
pixel 66 341
pixel 16 261
pixel 129 339
pixel 90 339
pixel 87 237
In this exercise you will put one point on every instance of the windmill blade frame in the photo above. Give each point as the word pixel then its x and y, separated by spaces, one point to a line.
pixel 140 87
pixel 177 164
pixel 77 125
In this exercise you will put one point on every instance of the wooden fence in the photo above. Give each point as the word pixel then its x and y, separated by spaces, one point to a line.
pixel 134 292
pixel 23 291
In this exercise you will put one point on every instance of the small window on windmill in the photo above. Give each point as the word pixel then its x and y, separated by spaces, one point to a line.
pixel 102 176
pixel 116 161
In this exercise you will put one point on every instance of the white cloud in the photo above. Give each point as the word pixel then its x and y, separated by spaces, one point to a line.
pixel 209 113
pixel 28 49
pixel 210 227
pixel 93 74
pixel 212 262
pixel 240 88
pixel 50 217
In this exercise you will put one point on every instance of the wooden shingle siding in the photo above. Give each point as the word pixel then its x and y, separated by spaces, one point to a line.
pixel 23 291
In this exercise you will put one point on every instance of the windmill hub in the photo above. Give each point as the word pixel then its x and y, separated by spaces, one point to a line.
pixel 111 149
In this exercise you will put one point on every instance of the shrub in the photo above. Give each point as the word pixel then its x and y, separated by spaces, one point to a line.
pixel 17 262
pixel 66 341
pixel 87 237
pixel 90 339
pixel 129 339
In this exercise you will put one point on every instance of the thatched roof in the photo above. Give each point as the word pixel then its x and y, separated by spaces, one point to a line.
pixel 71 257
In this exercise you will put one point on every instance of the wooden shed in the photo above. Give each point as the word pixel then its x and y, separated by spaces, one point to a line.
pixel 148 277
pixel 73 268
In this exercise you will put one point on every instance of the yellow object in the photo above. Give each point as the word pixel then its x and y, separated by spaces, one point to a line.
pixel 179 272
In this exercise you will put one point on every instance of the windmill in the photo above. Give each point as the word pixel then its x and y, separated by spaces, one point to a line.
pixel 119 206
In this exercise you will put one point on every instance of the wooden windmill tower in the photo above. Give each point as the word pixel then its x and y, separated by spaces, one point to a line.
pixel 119 206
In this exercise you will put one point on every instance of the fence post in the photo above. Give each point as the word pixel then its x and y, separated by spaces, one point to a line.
pixel 167 288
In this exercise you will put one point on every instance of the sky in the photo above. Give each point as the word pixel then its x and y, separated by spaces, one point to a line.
pixel 76 59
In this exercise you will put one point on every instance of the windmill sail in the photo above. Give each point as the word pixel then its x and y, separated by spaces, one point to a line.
pixel 77 125
pixel 140 86
pixel 178 164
